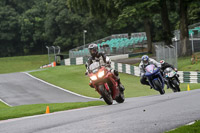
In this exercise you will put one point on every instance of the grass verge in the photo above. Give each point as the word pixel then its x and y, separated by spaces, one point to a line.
pixel 2 105
pixel 194 128
pixel 35 109
pixel 22 63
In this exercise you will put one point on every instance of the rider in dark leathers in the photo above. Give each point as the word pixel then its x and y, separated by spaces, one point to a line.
pixel 103 59
pixel 165 65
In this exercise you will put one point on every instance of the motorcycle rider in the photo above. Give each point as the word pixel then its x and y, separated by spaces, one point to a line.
pixel 165 65
pixel 97 56
pixel 145 61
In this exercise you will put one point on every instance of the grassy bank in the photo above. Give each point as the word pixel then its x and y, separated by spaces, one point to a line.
pixel 22 63
pixel 72 78
pixel 184 64
pixel 35 109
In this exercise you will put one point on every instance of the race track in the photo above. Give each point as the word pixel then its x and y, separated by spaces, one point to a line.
pixel 20 89
pixel 150 114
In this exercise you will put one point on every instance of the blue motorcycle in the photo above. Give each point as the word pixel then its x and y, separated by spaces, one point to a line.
pixel 155 78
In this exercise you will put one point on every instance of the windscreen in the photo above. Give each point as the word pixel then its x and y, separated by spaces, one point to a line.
pixel 94 66
pixel 150 68
pixel 168 70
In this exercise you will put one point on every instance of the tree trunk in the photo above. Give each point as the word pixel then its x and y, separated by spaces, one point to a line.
pixel 165 23
pixel 185 45
pixel 148 34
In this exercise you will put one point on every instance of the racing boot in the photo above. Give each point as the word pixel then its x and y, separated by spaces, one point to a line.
pixel 121 87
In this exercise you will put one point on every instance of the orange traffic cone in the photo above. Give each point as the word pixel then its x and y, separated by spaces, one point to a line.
pixel 47 110
pixel 54 64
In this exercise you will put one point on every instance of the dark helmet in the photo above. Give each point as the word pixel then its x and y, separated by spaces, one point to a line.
pixel 145 59
pixel 93 48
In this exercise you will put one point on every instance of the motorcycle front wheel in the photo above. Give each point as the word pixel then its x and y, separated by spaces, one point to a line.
pixel 105 94
pixel 158 85
pixel 176 87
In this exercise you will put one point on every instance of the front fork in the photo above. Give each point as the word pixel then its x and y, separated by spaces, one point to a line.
pixel 107 87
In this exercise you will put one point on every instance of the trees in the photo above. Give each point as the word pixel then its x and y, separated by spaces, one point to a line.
pixel 122 10
pixel 183 27
pixel 32 29
pixel 167 35
pixel 9 41
pixel 142 12
pixel 65 28
pixel 27 26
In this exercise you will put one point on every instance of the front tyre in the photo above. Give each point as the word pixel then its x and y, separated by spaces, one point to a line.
pixel 176 86
pixel 159 87
pixel 105 94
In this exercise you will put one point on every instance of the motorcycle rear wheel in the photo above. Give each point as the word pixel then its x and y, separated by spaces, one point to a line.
pixel 105 94
pixel 157 84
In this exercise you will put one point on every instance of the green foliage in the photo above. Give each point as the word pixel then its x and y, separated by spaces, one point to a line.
pixel 9 24
pixel 194 12
pixel 28 26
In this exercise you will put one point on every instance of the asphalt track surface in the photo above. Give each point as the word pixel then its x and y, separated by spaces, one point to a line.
pixel 21 88
pixel 150 114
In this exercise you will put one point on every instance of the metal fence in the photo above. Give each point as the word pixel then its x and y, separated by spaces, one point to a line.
pixel 167 53
pixel 171 53
pixel 52 51
pixel 194 42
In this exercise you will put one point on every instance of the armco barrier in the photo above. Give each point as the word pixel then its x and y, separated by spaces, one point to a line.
pixel 82 60
pixel 75 61
pixel 185 77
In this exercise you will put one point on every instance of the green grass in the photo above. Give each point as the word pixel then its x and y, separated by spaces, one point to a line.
pixel 2 105
pixel 184 64
pixel 35 109
pixel 72 78
pixel 194 128
pixel 22 63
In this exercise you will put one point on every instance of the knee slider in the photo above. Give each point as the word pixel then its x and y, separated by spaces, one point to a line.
pixel 116 72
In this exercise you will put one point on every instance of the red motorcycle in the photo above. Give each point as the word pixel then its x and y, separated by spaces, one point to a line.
pixel 105 83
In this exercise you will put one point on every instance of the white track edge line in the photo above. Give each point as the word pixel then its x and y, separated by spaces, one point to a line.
pixel 190 123
pixel 59 87
pixel 5 103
